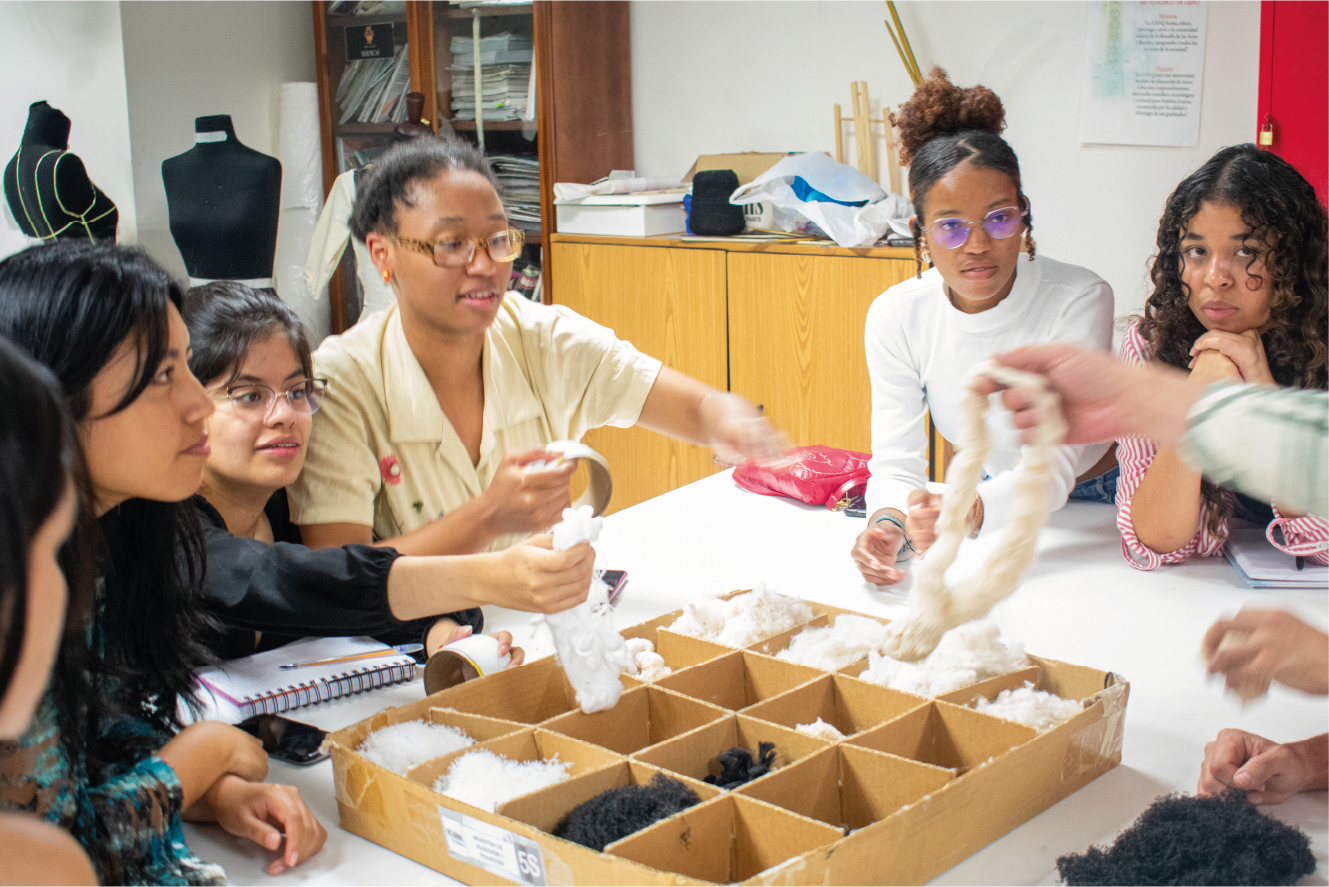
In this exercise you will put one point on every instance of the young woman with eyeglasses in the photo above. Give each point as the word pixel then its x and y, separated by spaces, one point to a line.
pixel 106 756
pixel 252 355
pixel 1240 295
pixel 437 407
pixel 924 337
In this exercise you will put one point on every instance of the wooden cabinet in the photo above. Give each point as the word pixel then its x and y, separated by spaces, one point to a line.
pixel 796 341
pixel 670 304
pixel 583 96
pixel 781 325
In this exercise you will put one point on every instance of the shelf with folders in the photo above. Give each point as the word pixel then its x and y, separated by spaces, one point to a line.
pixel 365 72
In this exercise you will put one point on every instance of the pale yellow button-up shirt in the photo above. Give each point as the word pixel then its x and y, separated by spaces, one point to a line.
pixel 383 453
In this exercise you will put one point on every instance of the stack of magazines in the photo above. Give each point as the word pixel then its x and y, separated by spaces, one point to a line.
pixel 374 90
pixel 505 75
pixel 519 178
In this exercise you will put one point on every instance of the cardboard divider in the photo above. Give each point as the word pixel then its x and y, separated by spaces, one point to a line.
pixel 694 754
pixel 849 705
pixel 738 679
pixel 527 695
pixel 777 642
pixel 643 716
pixel 775 645
pixel 848 787
pixel 478 727
pixel 989 689
pixel 728 839
pixel 531 744
pixel 549 806
pixel 946 735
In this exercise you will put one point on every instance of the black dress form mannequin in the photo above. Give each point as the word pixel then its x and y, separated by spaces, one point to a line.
pixel 48 189
pixel 224 201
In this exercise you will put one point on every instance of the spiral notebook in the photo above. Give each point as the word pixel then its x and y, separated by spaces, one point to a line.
pixel 258 684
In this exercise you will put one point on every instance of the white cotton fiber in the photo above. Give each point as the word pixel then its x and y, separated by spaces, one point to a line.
pixel 966 655
pixel 485 780
pixel 832 647
pixel 398 747
pixel 1031 707
pixel 742 620
pixel 819 729
pixel 647 664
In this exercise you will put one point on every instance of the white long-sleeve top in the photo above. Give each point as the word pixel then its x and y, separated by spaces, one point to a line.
pixel 921 351
pixel 331 233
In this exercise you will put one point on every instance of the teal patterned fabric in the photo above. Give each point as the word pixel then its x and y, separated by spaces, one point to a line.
pixel 129 822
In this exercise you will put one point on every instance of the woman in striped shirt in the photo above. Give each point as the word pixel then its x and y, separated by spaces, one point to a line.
pixel 1239 294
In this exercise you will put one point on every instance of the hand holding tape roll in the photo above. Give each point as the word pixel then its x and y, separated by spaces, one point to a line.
pixel 601 486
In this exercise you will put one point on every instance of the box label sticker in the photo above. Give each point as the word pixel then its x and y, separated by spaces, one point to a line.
pixel 496 850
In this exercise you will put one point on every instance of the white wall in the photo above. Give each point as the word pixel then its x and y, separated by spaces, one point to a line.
pixel 712 77
pixel 187 59
pixel 70 55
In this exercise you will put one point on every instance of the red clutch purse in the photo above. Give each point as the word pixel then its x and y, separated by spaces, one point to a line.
pixel 816 475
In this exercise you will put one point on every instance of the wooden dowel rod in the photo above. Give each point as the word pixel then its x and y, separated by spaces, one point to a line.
pixel 839 136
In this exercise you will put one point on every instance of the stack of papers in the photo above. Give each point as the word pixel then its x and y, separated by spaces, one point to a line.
pixel 374 90
pixel 519 178
pixel 505 91
pixel 1261 565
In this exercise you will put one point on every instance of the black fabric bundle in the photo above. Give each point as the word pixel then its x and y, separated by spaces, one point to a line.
pixel 622 811
pixel 1183 839
pixel 712 213
pixel 738 767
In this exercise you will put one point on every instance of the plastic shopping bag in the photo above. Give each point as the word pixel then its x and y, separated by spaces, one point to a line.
pixel 811 193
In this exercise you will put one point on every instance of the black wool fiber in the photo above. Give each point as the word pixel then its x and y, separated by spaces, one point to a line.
pixel 622 811
pixel 737 765
pixel 1182 839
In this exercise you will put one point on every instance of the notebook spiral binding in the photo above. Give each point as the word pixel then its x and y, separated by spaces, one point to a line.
pixel 348 683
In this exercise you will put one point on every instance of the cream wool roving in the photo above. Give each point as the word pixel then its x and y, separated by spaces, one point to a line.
pixel 742 620
pixel 936 608
pixel 398 747
pixel 591 652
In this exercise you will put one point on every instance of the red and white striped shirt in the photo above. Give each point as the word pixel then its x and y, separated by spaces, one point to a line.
pixel 1307 536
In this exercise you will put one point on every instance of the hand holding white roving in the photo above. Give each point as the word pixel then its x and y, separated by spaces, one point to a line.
pixel 591 652
pixel 936 608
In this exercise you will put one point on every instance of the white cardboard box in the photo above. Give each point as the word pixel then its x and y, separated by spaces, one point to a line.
pixel 623 215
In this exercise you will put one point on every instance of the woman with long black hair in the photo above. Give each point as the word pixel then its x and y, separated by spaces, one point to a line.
pixel 37 510
pixel 107 757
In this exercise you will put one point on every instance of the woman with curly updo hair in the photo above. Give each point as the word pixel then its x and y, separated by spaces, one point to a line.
pixel 1239 294
pixel 925 336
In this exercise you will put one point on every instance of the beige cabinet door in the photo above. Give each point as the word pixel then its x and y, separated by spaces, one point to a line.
pixel 796 341
pixel 670 304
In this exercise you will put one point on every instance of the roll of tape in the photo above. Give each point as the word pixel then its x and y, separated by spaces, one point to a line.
pixel 601 486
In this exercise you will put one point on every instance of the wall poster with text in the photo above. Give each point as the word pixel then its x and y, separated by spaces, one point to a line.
pixel 1144 68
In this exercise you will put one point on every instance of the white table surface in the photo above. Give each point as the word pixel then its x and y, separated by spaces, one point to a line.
pixel 1080 603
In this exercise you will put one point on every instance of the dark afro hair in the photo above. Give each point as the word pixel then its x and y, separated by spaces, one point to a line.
pixel 938 107
pixel 1182 839
pixel 943 126
pixel 623 811
pixel 392 179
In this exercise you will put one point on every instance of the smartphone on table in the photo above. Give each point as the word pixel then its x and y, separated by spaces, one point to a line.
pixel 617 580
pixel 287 740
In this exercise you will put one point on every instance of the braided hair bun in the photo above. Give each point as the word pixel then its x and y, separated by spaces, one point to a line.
pixel 939 107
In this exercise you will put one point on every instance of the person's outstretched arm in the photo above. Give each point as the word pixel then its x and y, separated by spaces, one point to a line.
pixel 1217 430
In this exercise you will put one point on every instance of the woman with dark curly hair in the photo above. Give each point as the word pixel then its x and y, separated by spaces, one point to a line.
pixel 1240 295
pixel 925 336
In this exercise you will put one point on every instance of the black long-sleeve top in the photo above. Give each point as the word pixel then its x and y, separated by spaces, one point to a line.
pixel 287 591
